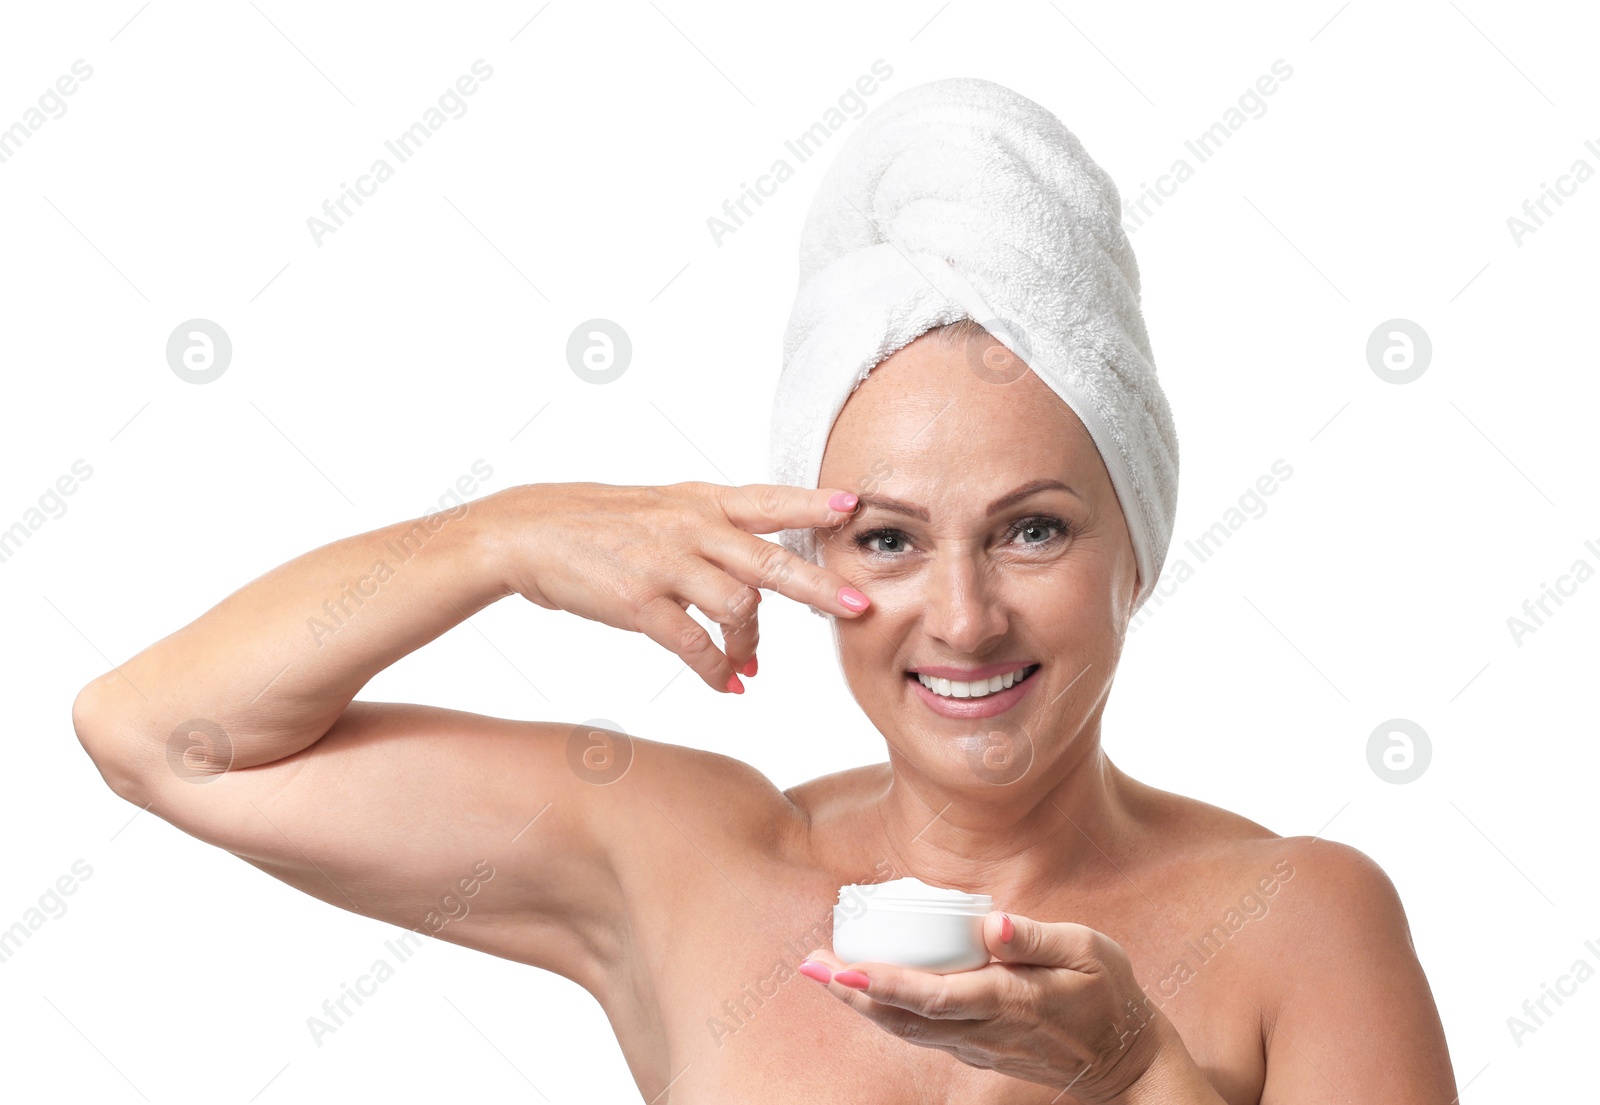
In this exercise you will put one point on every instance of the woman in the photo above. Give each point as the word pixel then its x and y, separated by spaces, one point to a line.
pixel 1149 947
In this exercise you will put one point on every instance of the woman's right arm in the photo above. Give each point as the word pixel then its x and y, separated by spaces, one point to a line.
pixel 241 728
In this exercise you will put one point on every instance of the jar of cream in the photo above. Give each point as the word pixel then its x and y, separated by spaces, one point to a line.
pixel 907 923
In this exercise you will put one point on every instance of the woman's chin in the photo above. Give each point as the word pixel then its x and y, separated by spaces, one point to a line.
pixel 982 754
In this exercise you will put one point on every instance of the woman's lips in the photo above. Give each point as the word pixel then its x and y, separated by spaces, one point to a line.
pixel 996 702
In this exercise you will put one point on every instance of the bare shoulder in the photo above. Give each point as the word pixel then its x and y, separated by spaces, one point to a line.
pixel 1330 920
pixel 1332 949
pixel 1192 832
pixel 839 791
pixel 1321 889
pixel 1336 899
pixel 707 795
pixel 1342 987
pixel 830 806
pixel 1230 842
pixel 1333 973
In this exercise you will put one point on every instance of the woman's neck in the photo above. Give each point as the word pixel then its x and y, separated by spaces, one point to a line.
pixel 1015 842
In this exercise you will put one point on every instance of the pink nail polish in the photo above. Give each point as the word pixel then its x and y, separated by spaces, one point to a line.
pixel 812 969
pixel 734 685
pixel 842 500
pixel 750 668
pixel 1007 929
pixel 853 979
pixel 852 598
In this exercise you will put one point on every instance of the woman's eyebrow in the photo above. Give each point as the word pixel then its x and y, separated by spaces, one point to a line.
pixel 1010 498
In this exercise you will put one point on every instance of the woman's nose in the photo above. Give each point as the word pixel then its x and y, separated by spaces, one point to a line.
pixel 961 604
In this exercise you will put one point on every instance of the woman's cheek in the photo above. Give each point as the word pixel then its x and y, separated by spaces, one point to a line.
pixel 890 589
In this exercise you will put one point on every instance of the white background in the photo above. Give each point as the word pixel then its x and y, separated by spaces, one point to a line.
pixel 370 371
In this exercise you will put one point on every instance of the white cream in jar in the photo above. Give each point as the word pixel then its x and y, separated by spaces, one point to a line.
pixel 908 923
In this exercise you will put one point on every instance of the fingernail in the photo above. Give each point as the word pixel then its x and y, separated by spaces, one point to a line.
pixel 843 500
pixel 853 979
pixel 734 685
pixel 1007 929
pixel 852 598
pixel 750 668
pixel 812 969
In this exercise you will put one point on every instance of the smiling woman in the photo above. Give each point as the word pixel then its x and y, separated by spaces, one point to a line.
pixel 981 520
pixel 978 509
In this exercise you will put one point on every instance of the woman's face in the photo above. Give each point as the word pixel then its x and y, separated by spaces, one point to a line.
pixel 1046 578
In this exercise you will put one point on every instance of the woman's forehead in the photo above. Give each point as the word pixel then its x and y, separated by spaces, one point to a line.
pixel 925 410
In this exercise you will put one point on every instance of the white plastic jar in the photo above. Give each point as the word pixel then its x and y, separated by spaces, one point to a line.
pixel 908 923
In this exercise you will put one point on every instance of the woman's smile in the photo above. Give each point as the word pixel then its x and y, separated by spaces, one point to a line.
pixel 990 703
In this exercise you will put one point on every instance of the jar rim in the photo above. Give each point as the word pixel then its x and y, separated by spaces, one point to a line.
pixel 974 905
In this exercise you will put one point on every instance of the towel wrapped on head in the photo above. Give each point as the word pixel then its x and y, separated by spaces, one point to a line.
pixel 961 198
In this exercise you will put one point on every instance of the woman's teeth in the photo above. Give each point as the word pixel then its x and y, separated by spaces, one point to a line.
pixel 978 688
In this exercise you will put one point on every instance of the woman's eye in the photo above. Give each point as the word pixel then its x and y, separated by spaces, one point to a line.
pixel 895 539
pixel 865 539
pixel 1037 525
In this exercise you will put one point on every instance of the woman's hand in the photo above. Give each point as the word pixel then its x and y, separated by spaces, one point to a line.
pixel 638 557
pixel 1061 1008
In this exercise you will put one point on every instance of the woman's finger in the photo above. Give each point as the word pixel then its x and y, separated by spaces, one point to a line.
pixel 723 600
pixel 741 632
pixel 963 995
pixel 769 507
pixel 729 603
pixel 766 508
pixel 771 567
pixel 669 625
pixel 1049 943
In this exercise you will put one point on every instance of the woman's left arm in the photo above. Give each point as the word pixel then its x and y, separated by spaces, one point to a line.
pixel 1355 1019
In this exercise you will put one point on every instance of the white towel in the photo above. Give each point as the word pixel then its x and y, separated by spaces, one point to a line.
pixel 960 198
